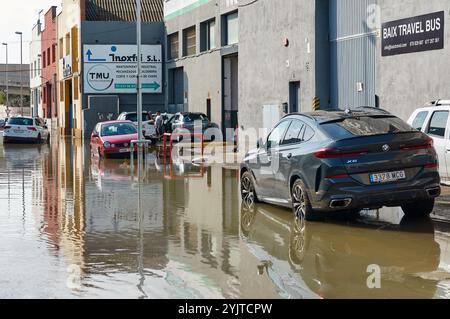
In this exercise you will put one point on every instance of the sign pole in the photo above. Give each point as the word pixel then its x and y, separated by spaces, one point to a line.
pixel 138 83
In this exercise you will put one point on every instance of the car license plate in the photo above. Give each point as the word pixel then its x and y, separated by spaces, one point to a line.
pixel 124 150
pixel 18 131
pixel 387 177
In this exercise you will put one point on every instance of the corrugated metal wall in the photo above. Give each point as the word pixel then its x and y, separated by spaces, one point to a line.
pixel 353 53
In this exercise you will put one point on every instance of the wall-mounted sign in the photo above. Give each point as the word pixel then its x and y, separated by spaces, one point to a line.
pixel 416 34
pixel 67 66
pixel 113 69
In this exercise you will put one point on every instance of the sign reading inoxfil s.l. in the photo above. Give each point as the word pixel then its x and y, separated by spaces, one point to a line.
pixel 416 34
pixel 113 69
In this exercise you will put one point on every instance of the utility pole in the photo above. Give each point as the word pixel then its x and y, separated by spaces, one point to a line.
pixel 7 80
pixel 139 66
pixel 20 71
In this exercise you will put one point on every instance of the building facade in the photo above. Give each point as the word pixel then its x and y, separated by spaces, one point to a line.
pixel 248 63
pixel 90 27
pixel 203 59
pixel 48 59
pixel 35 70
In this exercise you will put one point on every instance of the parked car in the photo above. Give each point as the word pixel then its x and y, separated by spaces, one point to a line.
pixel 25 129
pixel 187 121
pixel 341 161
pixel 433 120
pixel 113 138
pixel 148 126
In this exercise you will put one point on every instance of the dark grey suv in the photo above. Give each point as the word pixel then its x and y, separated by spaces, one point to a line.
pixel 343 161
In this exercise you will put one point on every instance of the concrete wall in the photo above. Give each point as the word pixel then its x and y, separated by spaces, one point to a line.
pixel 266 65
pixel 405 82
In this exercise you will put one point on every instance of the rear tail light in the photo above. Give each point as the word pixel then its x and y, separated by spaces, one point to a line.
pixel 429 143
pixel 432 166
pixel 7 127
pixel 334 153
pixel 32 129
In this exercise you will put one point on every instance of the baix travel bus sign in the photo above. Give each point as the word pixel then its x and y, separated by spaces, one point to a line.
pixel 113 69
pixel 417 34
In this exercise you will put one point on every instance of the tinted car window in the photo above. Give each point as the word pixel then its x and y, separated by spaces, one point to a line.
pixel 195 117
pixel 20 121
pixel 309 134
pixel 438 123
pixel 365 126
pixel 133 117
pixel 420 120
pixel 118 129
pixel 293 135
pixel 277 134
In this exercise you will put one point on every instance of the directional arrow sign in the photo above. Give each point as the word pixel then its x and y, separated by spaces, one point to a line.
pixel 154 86
pixel 89 55
pixel 111 69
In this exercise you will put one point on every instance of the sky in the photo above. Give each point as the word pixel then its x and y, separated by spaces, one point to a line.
pixel 20 15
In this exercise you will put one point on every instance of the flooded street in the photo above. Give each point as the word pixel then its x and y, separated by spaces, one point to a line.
pixel 72 226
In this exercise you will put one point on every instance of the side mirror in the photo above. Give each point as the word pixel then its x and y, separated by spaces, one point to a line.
pixel 94 135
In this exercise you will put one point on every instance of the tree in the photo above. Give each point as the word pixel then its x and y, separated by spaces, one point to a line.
pixel 2 98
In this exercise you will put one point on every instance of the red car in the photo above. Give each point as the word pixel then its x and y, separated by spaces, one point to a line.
pixel 111 139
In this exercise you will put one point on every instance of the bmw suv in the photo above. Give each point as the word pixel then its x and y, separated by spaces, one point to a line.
pixel 342 161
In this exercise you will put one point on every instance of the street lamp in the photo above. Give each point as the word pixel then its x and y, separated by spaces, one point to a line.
pixel 7 80
pixel 20 71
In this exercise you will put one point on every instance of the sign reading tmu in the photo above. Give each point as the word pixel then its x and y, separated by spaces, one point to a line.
pixel 113 69
pixel 416 34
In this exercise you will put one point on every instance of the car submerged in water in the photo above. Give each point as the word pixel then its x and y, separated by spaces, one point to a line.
pixel 113 139
pixel 343 161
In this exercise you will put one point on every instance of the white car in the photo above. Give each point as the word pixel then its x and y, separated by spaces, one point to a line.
pixel 434 120
pixel 25 129
pixel 147 122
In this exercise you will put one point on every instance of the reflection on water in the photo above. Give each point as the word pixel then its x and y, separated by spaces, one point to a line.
pixel 75 226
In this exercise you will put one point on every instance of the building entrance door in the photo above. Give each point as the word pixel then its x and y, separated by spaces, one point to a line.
pixel 230 96
pixel 294 97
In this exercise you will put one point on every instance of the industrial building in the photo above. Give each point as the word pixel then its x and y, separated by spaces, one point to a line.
pixel 247 63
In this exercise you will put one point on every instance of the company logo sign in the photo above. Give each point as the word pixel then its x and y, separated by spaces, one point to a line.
pixel 416 34
pixel 113 69
pixel 100 78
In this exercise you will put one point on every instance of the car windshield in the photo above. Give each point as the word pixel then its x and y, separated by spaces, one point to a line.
pixel 133 117
pixel 195 117
pixel 21 121
pixel 365 126
pixel 118 129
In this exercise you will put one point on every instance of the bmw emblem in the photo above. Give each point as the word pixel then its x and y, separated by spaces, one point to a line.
pixel 386 148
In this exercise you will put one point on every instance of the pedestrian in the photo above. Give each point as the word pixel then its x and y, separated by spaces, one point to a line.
pixel 159 124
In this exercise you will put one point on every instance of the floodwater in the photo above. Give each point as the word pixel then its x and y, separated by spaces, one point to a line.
pixel 72 226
